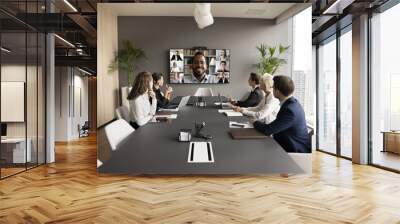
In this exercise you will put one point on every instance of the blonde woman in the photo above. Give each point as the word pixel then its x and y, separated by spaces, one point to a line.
pixel 268 107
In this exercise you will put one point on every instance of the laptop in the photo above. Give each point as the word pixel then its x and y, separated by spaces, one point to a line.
pixel 183 103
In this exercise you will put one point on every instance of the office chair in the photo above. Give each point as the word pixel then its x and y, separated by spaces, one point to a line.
pixel 203 92
pixel 84 130
pixel 122 112
pixel 117 131
pixel 304 160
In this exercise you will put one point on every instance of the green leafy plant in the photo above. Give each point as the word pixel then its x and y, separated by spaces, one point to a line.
pixel 270 59
pixel 126 58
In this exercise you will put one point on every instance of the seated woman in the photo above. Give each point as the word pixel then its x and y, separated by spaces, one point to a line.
pixel 142 100
pixel 162 99
pixel 268 108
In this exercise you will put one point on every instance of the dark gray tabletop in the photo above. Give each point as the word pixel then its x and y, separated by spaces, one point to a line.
pixel 155 149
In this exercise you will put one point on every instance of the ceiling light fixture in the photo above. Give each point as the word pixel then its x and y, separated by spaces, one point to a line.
pixel 84 71
pixel 64 40
pixel 202 15
pixel 5 50
pixel 337 7
pixel 70 5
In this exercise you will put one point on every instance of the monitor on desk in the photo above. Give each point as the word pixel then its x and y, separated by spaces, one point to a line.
pixel 3 130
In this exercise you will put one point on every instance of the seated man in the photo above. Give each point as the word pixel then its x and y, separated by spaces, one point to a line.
pixel 289 128
pixel 255 96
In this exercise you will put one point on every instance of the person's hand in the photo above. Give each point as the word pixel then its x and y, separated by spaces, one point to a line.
pixel 252 120
pixel 169 89
pixel 238 109
pixel 152 94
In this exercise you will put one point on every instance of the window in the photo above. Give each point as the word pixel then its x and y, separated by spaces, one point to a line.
pixel 302 74
pixel 346 93
pixel 327 96
pixel 385 89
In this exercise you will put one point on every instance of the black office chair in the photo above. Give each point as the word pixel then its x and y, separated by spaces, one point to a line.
pixel 310 131
pixel 84 130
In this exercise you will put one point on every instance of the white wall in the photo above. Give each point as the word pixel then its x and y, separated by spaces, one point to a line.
pixel 68 81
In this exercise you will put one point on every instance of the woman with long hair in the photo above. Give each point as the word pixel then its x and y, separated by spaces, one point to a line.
pixel 142 100
pixel 268 107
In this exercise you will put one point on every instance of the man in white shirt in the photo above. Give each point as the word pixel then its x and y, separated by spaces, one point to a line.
pixel 199 68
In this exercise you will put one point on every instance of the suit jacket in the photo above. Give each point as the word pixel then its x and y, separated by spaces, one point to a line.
pixel 161 100
pixel 176 57
pixel 253 100
pixel 289 128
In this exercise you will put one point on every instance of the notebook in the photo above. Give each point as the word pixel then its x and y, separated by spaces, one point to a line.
pixel 246 133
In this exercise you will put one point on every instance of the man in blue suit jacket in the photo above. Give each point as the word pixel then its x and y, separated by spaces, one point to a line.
pixel 289 128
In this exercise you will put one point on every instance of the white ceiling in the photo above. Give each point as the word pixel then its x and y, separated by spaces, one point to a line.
pixel 233 10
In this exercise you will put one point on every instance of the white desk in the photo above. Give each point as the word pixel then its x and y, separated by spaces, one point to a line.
pixel 18 148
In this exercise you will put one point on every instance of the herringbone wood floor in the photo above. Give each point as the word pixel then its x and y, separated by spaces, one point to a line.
pixel 71 191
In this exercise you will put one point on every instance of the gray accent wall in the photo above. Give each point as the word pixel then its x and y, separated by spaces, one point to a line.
pixel 156 35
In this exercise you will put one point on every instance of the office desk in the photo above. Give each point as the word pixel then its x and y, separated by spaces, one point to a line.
pixel 154 149
pixel 13 150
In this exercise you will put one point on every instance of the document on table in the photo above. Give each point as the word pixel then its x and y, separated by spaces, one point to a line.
pixel 234 124
pixel 169 116
pixel 200 152
pixel 225 110
pixel 233 114
pixel 169 110
pixel 230 113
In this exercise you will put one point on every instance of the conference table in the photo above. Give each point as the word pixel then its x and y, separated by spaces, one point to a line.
pixel 154 148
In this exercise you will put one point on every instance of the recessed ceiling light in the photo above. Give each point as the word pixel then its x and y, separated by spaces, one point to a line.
pixel 70 5
pixel 5 50
pixel 64 40
pixel 84 71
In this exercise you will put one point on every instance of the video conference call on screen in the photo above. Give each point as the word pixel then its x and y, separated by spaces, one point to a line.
pixel 216 69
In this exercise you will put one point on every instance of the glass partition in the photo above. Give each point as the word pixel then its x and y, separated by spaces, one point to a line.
pixel 22 88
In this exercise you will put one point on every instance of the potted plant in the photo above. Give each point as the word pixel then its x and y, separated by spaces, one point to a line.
pixel 125 60
pixel 270 60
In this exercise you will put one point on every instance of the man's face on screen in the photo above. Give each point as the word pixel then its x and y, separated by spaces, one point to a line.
pixel 199 66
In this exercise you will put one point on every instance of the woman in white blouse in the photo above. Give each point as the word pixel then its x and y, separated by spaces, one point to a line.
pixel 268 108
pixel 142 100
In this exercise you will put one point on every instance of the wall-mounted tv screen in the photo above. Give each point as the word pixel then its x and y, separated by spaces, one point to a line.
pixel 199 66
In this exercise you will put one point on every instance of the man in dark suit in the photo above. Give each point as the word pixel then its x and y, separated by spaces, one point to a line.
pixel 289 128
pixel 255 96
pixel 176 57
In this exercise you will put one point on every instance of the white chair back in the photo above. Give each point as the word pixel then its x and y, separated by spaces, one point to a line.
pixel 122 112
pixel 117 131
pixel 203 92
